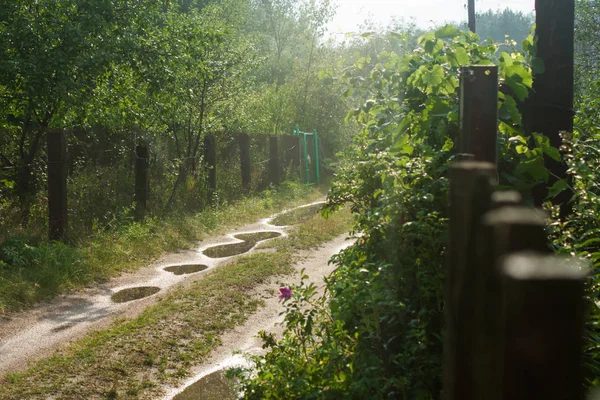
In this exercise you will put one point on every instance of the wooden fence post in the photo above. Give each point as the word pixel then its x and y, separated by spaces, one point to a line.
pixel 245 161
pixel 470 198
pixel 57 184
pixel 544 309
pixel 479 112
pixel 550 106
pixel 274 160
pixel 517 228
pixel 210 158
pixel 141 181
pixel 503 198
pixel 296 154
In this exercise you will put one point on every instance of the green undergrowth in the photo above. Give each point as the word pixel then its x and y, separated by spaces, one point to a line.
pixel 132 359
pixel 32 270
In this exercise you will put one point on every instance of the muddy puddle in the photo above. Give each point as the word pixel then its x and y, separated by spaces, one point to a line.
pixel 233 249
pixel 186 269
pixel 215 386
pixel 135 293
pixel 297 215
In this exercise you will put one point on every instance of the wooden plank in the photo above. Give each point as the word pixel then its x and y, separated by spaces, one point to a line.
pixel 141 181
pixel 57 185
pixel 245 161
pixel 210 160
pixel 274 173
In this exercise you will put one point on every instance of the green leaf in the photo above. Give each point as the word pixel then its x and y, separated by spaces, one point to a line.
pixel 433 47
pixel 521 149
pixel 558 187
pixel 434 77
pixel 520 74
pixel 462 57
pixel 552 152
pixel 518 89
pixel 448 145
pixel 448 31
pixel 402 145
pixel 509 110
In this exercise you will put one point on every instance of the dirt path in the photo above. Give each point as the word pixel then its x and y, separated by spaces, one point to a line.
pixel 244 337
pixel 37 333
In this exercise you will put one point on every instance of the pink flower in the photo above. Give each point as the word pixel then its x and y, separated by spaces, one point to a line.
pixel 286 292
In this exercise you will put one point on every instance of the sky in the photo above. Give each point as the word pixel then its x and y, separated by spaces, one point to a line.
pixel 425 13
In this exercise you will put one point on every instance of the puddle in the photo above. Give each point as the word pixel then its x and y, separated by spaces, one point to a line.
pixel 233 249
pixel 297 215
pixel 255 237
pixel 214 386
pixel 62 328
pixel 228 250
pixel 186 269
pixel 134 293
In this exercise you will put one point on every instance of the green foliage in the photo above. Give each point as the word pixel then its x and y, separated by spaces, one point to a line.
pixel 378 333
pixel 578 235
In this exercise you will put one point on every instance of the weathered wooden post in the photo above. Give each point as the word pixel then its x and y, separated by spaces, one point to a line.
pixel 479 112
pixel 470 198
pixel 503 198
pixel 296 154
pixel 245 161
pixel 471 20
pixel 518 228
pixel 508 227
pixel 550 106
pixel 57 184
pixel 274 177
pixel 544 311
pixel 210 159
pixel 141 181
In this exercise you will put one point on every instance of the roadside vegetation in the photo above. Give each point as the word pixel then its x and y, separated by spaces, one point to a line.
pixel 377 333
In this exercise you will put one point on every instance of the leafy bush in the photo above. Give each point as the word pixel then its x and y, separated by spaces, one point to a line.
pixel 378 332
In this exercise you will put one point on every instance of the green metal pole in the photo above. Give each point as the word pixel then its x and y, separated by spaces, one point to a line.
pixel 316 142
pixel 306 166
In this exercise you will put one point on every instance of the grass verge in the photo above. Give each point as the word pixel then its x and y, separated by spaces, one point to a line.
pixel 31 270
pixel 132 359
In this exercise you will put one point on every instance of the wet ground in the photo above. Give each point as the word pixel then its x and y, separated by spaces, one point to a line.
pixel 134 293
pixel 214 386
pixel 186 269
pixel 297 215
pixel 249 240
pixel 36 333
pixel 209 379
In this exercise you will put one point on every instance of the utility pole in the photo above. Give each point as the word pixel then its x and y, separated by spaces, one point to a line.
pixel 472 15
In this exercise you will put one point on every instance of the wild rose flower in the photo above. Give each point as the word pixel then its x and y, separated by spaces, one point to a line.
pixel 286 292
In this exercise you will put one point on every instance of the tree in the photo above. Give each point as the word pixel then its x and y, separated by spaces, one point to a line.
pixel 52 54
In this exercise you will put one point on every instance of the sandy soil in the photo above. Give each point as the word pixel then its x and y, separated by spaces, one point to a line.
pixel 37 333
